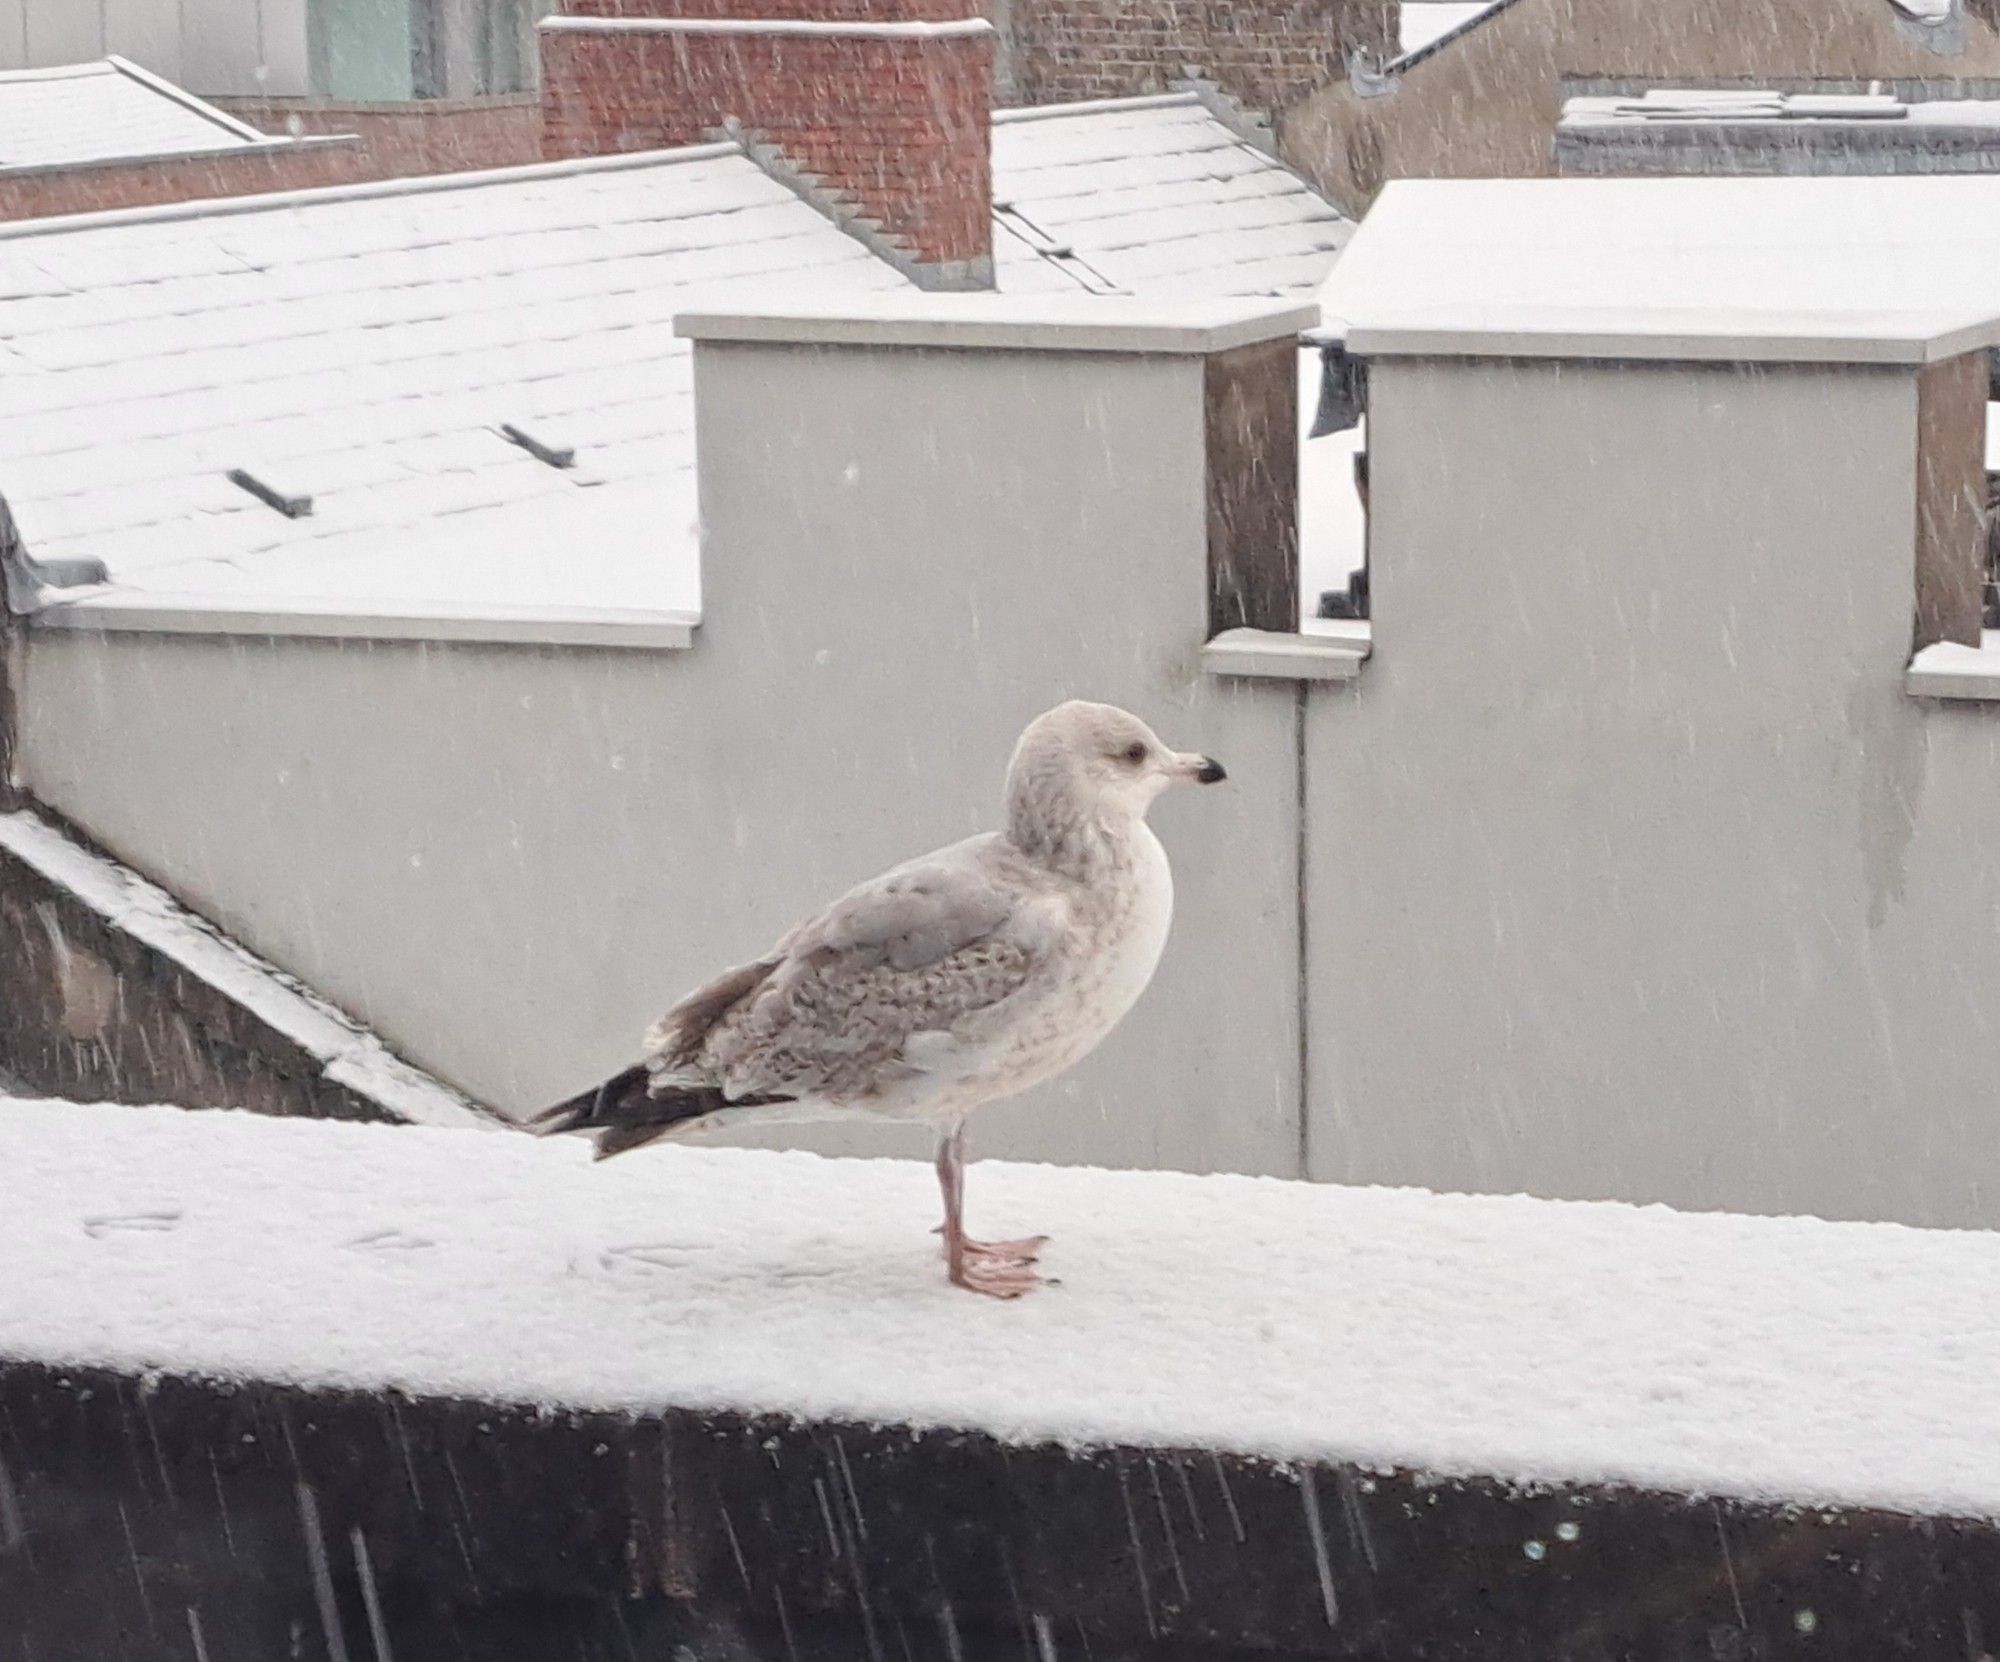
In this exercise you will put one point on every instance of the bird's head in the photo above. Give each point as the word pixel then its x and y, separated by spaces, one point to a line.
pixel 1096 761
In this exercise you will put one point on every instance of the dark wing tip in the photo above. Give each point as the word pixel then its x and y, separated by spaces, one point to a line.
pixel 593 1108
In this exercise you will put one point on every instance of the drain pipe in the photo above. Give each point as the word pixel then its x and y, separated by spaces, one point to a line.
pixel 26 587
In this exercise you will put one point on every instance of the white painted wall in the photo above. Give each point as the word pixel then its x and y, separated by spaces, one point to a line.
pixel 149 33
pixel 216 48
pixel 252 48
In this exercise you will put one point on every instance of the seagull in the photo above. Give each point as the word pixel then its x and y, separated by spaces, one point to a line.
pixel 962 977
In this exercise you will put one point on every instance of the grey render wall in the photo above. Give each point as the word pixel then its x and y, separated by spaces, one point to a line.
pixel 509 860
pixel 1635 872
pixel 212 47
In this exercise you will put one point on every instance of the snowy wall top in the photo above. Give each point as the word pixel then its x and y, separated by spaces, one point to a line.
pixel 1051 322
pixel 1704 131
pixel 1844 270
pixel 1779 1359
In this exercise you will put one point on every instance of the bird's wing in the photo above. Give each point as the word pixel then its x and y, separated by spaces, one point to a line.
pixel 831 1010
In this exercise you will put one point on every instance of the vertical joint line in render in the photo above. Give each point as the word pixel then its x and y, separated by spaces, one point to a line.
pixel 1300 874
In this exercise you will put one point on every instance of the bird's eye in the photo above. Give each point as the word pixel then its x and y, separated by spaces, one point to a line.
pixel 1135 753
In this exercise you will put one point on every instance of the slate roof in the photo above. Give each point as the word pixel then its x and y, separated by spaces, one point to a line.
pixel 364 346
pixel 108 111
pixel 1156 196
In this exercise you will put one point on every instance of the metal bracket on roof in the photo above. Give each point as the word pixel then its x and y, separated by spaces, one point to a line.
pixel 1369 75
pixel 554 455
pixel 1063 256
pixel 291 505
pixel 25 582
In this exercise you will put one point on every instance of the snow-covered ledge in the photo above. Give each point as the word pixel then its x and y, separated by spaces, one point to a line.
pixel 1330 652
pixel 1282 1320
pixel 142 916
pixel 1009 323
pixel 1954 671
pixel 123 612
pixel 731 1387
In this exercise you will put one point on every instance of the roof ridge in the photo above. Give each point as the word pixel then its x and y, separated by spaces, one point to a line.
pixel 1094 106
pixel 174 93
pixel 63 71
pixel 419 184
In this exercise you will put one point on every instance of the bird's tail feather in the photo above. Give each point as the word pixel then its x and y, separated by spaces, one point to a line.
pixel 595 1107
pixel 627 1111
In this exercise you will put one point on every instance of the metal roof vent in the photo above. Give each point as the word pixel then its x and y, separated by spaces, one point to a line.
pixel 293 505
pixel 555 455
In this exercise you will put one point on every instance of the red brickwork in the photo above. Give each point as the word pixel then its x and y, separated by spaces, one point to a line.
pixel 389 143
pixel 79 190
pixel 403 139
pixel 901 127
pixel 1266 54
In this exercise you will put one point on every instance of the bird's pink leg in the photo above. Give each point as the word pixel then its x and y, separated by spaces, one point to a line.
pixel 1000 1269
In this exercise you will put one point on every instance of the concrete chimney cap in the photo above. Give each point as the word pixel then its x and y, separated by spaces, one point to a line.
pixel 1076 323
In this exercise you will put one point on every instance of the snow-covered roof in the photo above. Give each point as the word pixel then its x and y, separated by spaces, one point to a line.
pixel 365 348
pixel 359 352
pixel 1908 263
pixel 105 111
pixel 1774 1359
pixel 1705 104
pixel 1151 196
pixel 1676 131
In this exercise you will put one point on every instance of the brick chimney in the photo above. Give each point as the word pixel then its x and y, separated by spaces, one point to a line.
pixel 877 111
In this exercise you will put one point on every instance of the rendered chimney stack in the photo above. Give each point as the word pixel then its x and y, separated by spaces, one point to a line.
pixel 878 111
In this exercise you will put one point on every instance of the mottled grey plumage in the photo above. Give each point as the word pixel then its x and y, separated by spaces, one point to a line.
pixel 967 975
pixel 916 955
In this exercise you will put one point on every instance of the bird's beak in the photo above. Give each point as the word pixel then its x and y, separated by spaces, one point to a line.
pixel 1203 770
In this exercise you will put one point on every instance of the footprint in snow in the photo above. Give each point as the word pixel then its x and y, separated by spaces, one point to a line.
pixel 388 1240
pixel 135 1222
pixel 670 1256
pixel 651 1255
